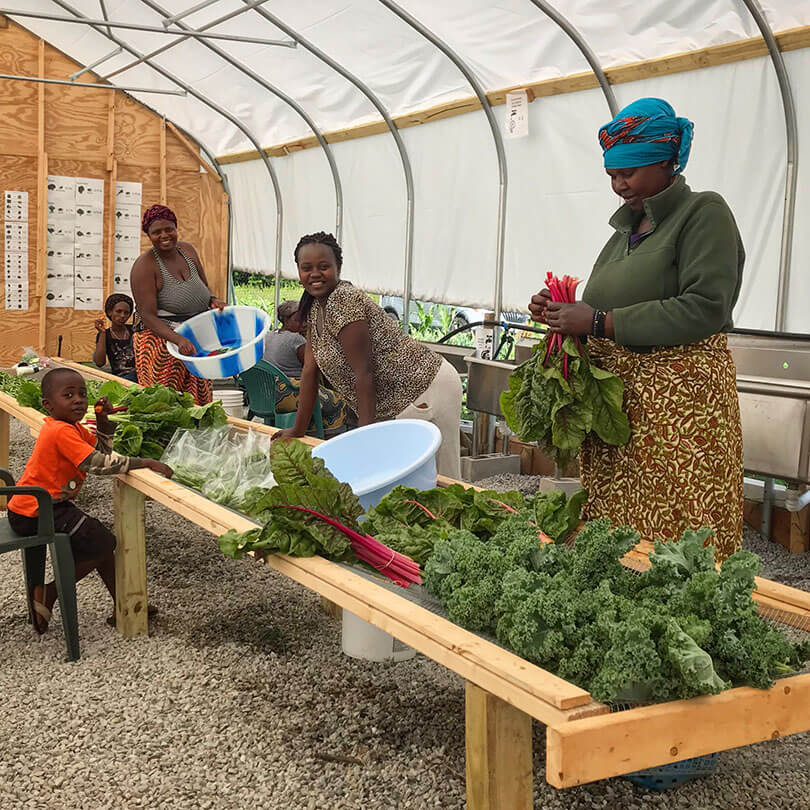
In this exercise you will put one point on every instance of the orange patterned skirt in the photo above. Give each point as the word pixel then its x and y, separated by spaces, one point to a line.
pixel 683 465
pixel 155 366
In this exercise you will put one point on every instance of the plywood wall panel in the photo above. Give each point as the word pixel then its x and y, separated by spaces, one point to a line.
pixel 18 100
pixel 184 200
pixel 77 144
pixel 137 133
pixel 178 156
pixel 211 234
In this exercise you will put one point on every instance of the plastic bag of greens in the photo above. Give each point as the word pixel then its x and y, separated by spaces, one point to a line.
pixel 220 486
pixel 255 473
pixel 197 456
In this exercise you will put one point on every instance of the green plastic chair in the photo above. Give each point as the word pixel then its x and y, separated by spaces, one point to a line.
pixel 33 556
pixel 260 383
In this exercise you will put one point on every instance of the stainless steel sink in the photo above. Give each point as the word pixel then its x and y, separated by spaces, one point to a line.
pixel 773 380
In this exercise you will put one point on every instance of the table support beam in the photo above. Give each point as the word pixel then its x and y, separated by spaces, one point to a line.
pixel 499 753
pixel 130 561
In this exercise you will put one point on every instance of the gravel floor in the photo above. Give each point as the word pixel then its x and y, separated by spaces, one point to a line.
pixel 241 694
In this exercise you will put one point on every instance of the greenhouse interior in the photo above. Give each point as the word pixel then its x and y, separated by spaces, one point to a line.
pixel 479 327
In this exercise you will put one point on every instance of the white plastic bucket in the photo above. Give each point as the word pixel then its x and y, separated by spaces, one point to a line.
pixel 232 400
pixel 365 641
pixel 372 460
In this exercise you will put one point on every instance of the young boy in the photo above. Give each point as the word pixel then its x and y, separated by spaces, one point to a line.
pixel 115 343
pixel 64 453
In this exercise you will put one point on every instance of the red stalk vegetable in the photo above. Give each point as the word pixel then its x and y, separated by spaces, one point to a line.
pixel 397 567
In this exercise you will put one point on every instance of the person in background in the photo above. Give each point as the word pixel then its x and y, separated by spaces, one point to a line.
pixel 169 286
pixel 114 343
pixel 64 453
pixel 656 309
pixel 285 348
pixel 382 373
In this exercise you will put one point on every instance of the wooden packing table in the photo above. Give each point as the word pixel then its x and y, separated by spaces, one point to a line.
pixel 585 741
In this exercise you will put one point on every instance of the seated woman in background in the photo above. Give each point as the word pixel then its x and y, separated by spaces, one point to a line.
pixel 284 348
pixel 170 287
pixel 382 373
pixel 114 344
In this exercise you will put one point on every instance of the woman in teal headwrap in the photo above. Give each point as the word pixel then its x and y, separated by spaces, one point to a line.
pixel 656 308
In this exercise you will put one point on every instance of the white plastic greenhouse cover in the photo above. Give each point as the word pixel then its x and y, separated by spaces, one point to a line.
pixel 559 199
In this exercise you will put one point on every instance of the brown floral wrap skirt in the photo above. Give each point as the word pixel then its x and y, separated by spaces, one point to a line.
pixel 683 465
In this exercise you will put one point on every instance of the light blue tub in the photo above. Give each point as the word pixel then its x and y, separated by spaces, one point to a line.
pixel 239 329
pixel 374 459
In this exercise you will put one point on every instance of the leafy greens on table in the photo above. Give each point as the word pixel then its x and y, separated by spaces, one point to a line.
pixel 153 414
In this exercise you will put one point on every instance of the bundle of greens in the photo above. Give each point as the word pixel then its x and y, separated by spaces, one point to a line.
pixel 310 512
pixel 412 521
pixel 678 630
pixel 26 391
pixel 557 397
pixel 153 415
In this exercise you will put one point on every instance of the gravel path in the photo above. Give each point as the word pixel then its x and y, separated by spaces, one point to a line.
pixel 240 692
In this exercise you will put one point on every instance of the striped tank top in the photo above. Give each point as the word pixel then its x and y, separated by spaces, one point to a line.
pixel 177 300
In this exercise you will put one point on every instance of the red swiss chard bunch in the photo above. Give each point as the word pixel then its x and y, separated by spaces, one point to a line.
pixel 562 291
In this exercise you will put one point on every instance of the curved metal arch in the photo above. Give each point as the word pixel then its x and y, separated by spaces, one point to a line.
pixel 496 135
pixel 214 106
pixel 792 167
pixel 392 128
pixel 576 37
pixel 247 71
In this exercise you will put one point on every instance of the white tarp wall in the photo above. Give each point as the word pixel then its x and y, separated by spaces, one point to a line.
pixel 559 197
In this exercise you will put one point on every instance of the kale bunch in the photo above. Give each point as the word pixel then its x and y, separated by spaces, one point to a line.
pixel 680 629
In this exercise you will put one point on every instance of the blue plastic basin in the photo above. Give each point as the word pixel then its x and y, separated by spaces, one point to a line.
pixel 374 459
pixel 238 329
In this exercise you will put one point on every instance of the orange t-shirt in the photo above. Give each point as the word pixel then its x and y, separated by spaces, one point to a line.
pixel 54 464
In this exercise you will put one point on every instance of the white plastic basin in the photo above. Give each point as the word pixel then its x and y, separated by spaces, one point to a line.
pixel 238 329
pixel 374 459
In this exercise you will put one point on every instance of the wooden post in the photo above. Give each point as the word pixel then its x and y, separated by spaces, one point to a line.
pixel 499 754
pixel 130 561
pixel 800 531
pixel 4 443
pixel 164 194
pixel 109 212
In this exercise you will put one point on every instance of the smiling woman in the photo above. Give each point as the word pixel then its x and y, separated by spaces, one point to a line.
pixel 169 286
pixel 381 372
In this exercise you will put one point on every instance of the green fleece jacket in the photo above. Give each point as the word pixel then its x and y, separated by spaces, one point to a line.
pixel 680 282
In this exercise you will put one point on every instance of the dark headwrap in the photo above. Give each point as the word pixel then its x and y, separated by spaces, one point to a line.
pixel 157 212
pixel 645 132
pixel 117 298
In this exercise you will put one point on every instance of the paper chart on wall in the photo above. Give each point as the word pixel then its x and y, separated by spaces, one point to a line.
pixel 59 289
pixel 86 298
pixel 127 237
pixel 15 206
pixel 74 251
pixel 61 189
pixel 89 191
pixel 16 236
pixel 15 249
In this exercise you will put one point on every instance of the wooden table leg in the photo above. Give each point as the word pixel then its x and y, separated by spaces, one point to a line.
pixel 499 754
pixel 130 561
pixel 4 444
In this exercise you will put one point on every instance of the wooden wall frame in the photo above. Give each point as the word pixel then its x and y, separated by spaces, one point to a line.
pixel 55 129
